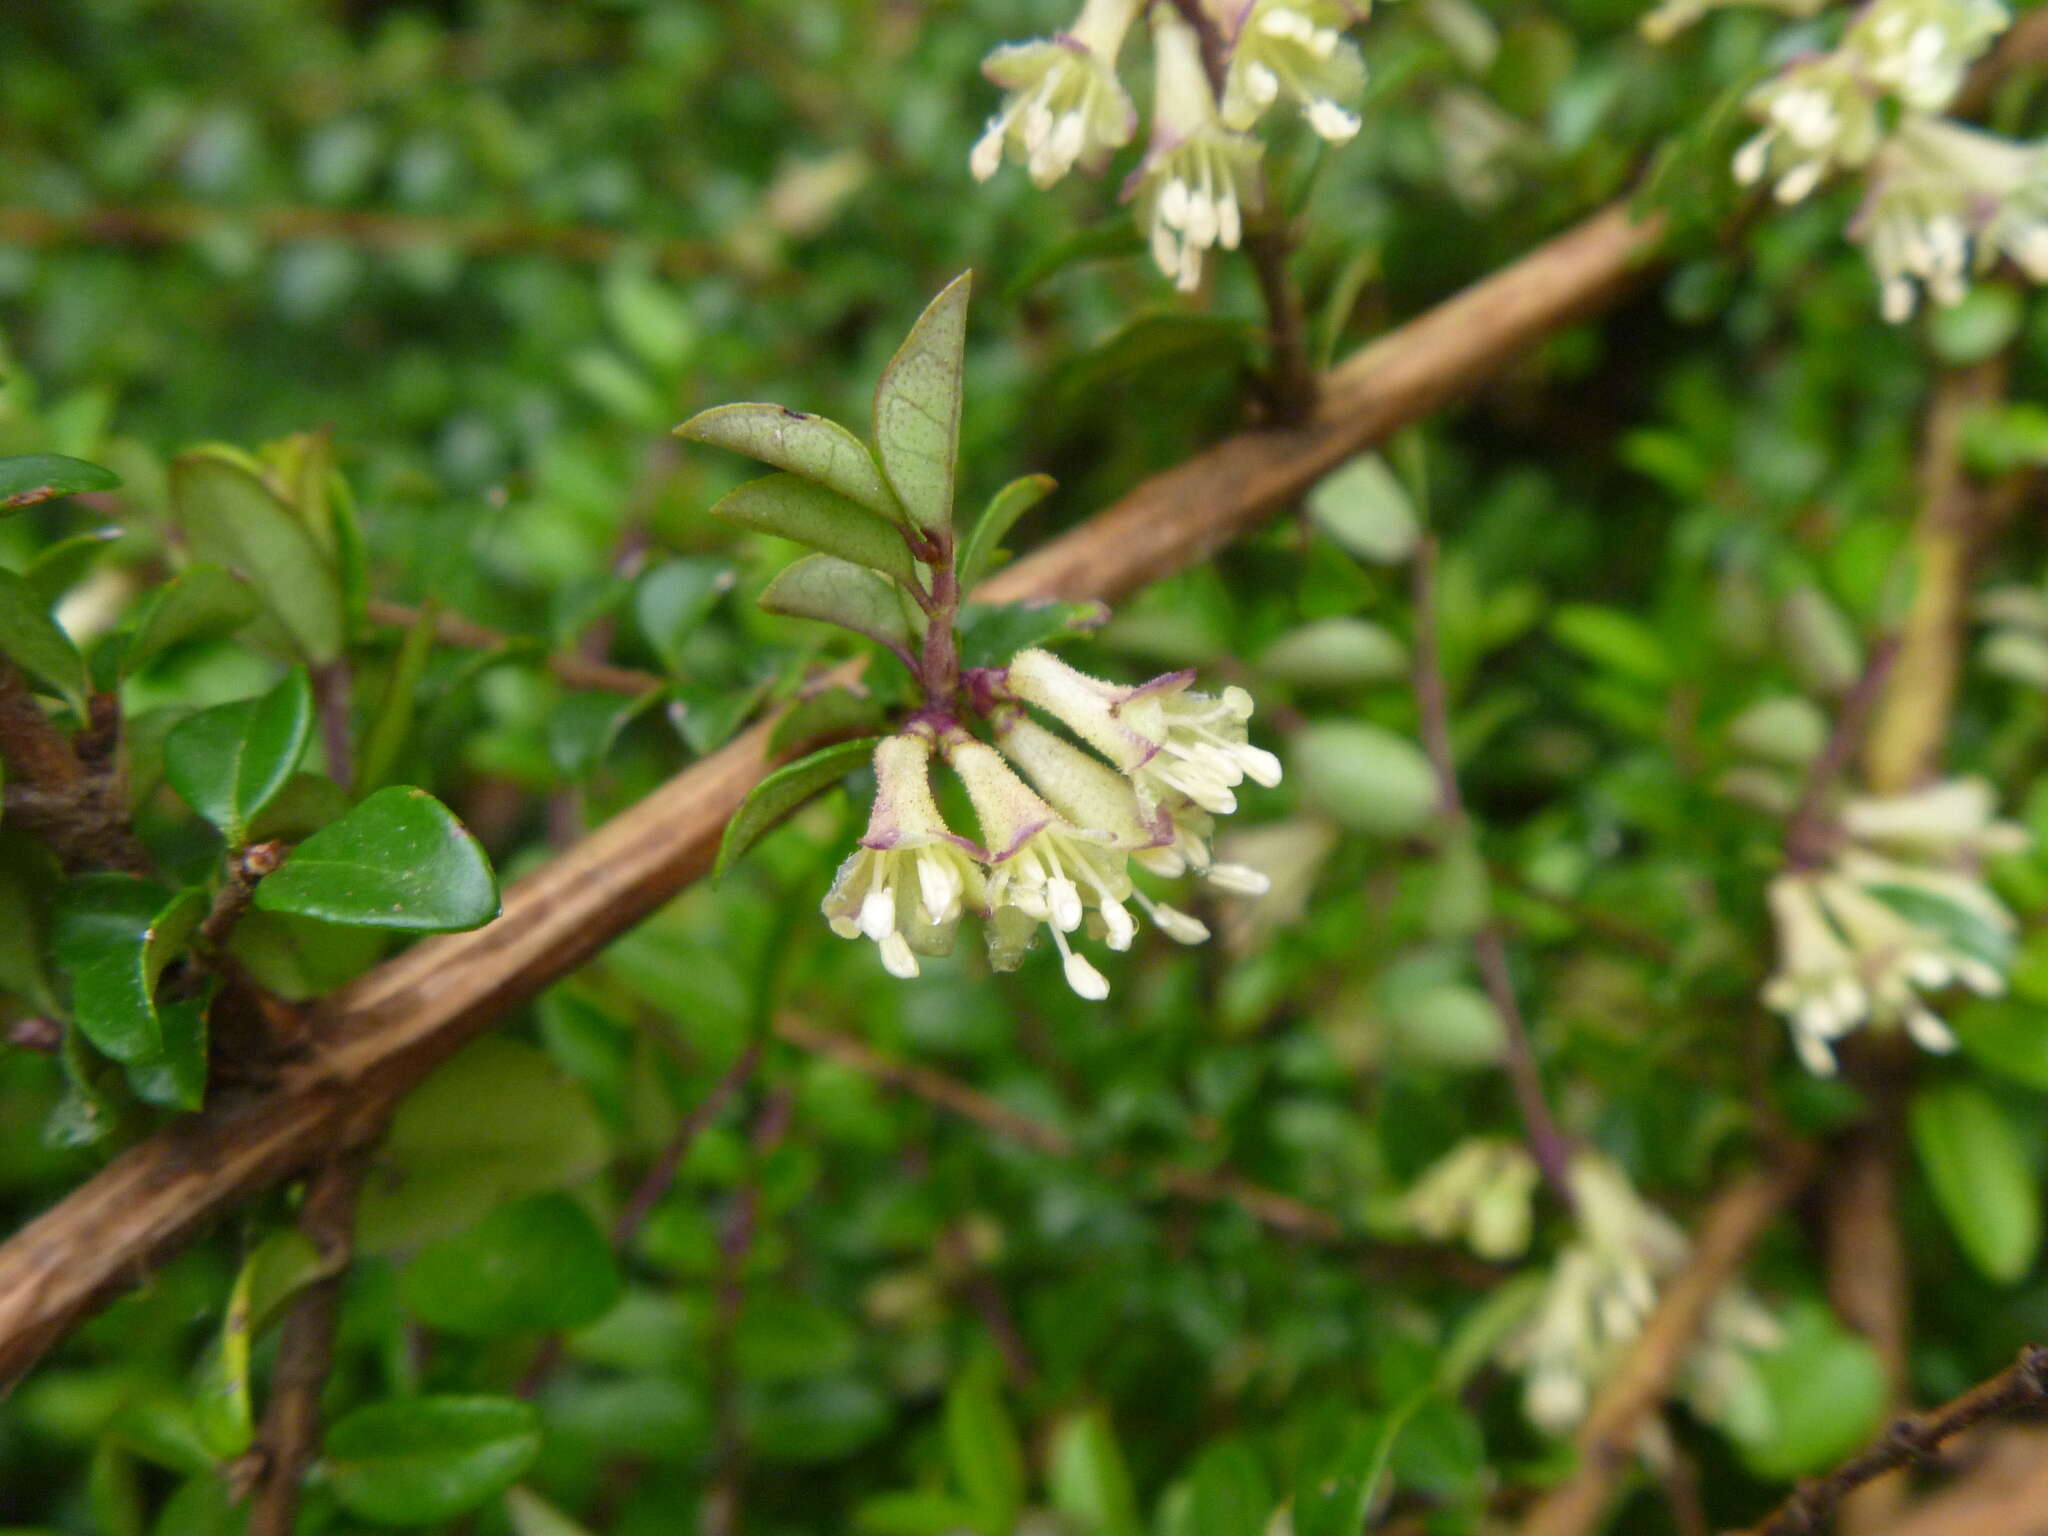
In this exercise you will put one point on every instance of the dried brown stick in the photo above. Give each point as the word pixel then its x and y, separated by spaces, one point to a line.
pixel 379 1035
pixel 1606 1442
pixel 2021 1385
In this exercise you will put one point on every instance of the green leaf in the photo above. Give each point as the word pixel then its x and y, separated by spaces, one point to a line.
pixel 834 591
pixel 418 1461
pixel 538 1265
pixel 673 599
pixel 1615 641
pixel 1335 1493
pixel 1155 351
pixel 1112 240
pixel 583 728
pixel 531 1515
pixel 113 937
pixel 1368 778
pixel 783 791
pixel 822 1418
pixel 917 408
pixel 61 566
pixel 231 517
pixel 1335 653
pixel 201 1507
pixel 997 519
pixel 200 602
pixel 914 1512
pixel 806 513
pixel 783 1338
pixel 498 1122
pixel 1827 1394
pixel 828 713
pixel 220 1397
pixel 1980 1177
pixel 1087 1479
pixel 1228 1494
pixel 1980 327
pixel 992 633
pixel 175 1075
pixel 229 762
pixel 391 721
pixel 2007 1035
pixel 1365 508
pixel 399 860
pixel 30 638
pixel 805 445
pixel 984 1452
pixel 30 479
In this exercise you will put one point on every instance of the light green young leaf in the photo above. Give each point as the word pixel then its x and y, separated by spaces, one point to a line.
pixel 398 860
pixel 997 519
pixel 1087 1479
pixel 423 1460
pixel 391 722
pixel 30 479
pixel 673 599
pixel 803 444
pixel 63 565
pixel 30 638
pixel 807 513
pixel 917 408
pixel 1335 653
pixel 233 518
pixel 531 1515
pixel 982 1447
pixel 199 602
pixel 1365 508
pixel 1365 776
pixel 113 936
pixel 229 762
pixel 1980 1177
pixel 836 591
pixel 783 791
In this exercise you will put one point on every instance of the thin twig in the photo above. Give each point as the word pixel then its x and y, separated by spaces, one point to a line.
pixel 1606 1441
pixel 1810 833
pixel 575 671
pixel 1547 1144
pixel 290 1437
pixel 2023 1384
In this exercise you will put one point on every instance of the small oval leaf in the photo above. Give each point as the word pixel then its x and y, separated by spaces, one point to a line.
pixel 534 1266
pixel 30 638
pixel 422 1460
pixel 811 446
pixel 398 860
pixel 917 408
pixel 30 479
pixel 1980 1177
pixel 200 601
pixel 835 591
pixel 783 791
pixel 233 518
pixel 816 516
pixel 113 936
pixel 997 519
pixel 229 762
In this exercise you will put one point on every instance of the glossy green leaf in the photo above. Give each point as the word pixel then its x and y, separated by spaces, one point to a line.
pixel 1087 1478
pixel 978 558
pixel 819 518
pixel 1366 509
pixel 399 860
pixel 984 1452
pixel 498 1122
pixel 174 1075
pixel 917 408
pixel 673 599
pixel 1827 1396
pixel 1365 776
pixel 113 936
pixel 1980 1177
pixel 30 638
pixel 538 1265
pixel 233 518
pixel 200 602
pixel 63 565
pixel 30 479
pixel 834 591
pixel 229 762
pixel 992 633
pixel 805 445
pixel 783 791
pixel 418 1461
pixel 2008 1036
pixel 782 1338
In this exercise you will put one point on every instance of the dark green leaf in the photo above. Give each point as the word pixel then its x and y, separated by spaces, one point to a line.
pixel 422 1460
pixel 1111 240
pixel 1228 1494
pixel 30 638
pixel 991 634
pixel 1617 641
pixel 29 479
pixel 805 445
pixel 673 599
pixel 813 515
pixel 819 1419
pixel 997 519
pixel 830 712
pixel 984 1452
pixel 913 1513
pixel 200 602
pixel 783 791
pixel 833 591
pixel 1980 1176
pixel 398 860
pixel 2007 1035
pixel 537 1265
pixel 113 937
pixel 175 1076
pixel 62 565
pixel 233 518
pixel 917 408
pixel 229 762
pixel 1154 346
pixel 782 1338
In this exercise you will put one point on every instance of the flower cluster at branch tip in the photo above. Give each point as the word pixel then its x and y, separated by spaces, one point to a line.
pixel 1060 826
pixel 1065 107
pixel 1898 913
pixel 1598 1299
pixel 1481 1191
pixel 1940 200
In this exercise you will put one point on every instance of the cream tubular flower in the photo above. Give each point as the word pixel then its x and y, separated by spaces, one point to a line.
pixel 1953 819
pixel 1919 50
pixel 1819 116
pixel 1042 870
pixel 1174 744
pixel 907 883
pixel 1190 830
pixel 1065 105
pixel 1198 176
pixel 1479 1191
pixel 1816 985
pixel 1295 49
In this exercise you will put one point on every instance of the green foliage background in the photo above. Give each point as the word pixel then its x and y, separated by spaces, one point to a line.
pixel 498 250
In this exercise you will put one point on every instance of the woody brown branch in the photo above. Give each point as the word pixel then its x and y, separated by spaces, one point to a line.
pixel 72 805
pixel 382 1033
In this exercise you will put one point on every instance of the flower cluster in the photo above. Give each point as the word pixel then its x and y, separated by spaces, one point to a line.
pixel 1900 912
pixel 1598 1298
pixel 1479 1191
pixel 1060 826
pixel 1065 106
pixel 1940 200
